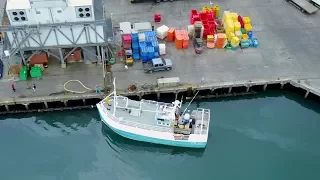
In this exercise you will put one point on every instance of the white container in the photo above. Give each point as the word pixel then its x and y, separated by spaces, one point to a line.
pixel 190 30
pixel 162 31
pixel 202 30
pixel 162 49
pixel 125 27
pixel 142 37
pixel 168 82
pixel 142 27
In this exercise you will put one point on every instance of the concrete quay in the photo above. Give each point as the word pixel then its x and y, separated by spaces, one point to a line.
pixel 287 55
pixel 88 100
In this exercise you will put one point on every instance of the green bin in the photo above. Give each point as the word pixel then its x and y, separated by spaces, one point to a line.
pixel 112 61
pixel 24 73
pixel 36 72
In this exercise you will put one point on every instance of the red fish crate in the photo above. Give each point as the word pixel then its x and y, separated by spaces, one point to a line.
pixel 157 18
pixel 241 21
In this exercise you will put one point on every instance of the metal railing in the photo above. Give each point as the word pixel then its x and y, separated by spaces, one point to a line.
pixel 203 112
pixel 135 124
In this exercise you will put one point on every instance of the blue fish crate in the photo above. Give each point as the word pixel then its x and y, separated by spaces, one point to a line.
pixel 156 55
pixel 145 61
pixel 150 49
pixel 151 55
pixel 136 56
pixel 135 35
pixel 135 45
pixel 135 50
pixel 152 33
pixel 142 44
pixel 149 43
pixel 156 48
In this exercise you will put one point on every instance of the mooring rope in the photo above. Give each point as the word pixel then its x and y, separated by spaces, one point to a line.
pixel 78 92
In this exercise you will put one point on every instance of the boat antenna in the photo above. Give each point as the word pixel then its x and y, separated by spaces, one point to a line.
pixel 181 102
pixel 114 86
pixel 190 102
pixel 114 95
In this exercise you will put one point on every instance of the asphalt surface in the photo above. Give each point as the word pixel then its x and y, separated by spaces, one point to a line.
pixel 288 47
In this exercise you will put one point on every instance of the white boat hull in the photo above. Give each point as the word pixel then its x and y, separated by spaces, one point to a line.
pixel 164 138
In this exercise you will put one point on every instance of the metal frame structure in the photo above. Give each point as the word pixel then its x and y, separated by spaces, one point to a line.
pixel 22 36
pixel 27 32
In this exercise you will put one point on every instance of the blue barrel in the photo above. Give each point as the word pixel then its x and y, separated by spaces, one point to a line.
pixel 250 34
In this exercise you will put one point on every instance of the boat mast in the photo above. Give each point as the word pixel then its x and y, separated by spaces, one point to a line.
pixel 114 95
pixel 190 102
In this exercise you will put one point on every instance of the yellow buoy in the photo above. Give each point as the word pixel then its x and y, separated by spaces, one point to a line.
pixel 107 101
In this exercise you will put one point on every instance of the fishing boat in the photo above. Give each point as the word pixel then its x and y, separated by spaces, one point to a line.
pixel 155 122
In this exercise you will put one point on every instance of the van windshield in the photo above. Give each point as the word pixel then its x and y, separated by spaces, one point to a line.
pixel 163 61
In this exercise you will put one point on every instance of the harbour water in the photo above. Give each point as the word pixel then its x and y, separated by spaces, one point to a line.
pixel 271 136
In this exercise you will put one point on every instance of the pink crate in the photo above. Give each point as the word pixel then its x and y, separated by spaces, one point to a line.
pixel 194 12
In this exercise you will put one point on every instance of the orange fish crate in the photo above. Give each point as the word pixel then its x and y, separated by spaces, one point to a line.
pixel 185 44
pixel 178 39
pixel 170 36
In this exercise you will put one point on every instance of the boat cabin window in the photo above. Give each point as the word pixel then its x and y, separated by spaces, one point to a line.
pixel 162 122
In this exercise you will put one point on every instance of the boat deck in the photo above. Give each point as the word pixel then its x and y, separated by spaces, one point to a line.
pixel 132 112
pixel 144 114
pixel 202 116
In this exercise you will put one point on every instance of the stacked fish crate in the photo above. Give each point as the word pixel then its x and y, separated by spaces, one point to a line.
pixel 135 46
pixel 149 46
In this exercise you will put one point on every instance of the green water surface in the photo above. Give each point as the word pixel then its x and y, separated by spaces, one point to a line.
pixel 263 138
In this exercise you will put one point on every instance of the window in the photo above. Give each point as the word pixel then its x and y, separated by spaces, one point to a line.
pixel 59 11
pixel 38 12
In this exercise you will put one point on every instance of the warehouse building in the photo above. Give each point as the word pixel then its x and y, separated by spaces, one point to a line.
pixel 39 31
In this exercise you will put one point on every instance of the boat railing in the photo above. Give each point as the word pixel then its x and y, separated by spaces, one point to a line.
pixel 203 112
pixel 135 124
